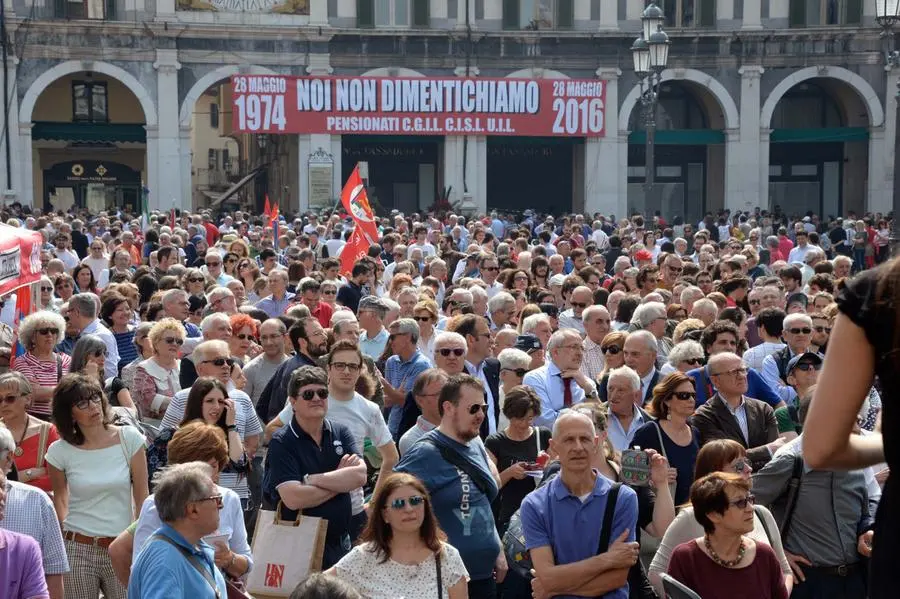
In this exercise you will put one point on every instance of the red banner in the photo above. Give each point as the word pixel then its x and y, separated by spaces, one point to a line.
pixel 354 251
pixel 20 257
pixel 418 106
pixel 356 203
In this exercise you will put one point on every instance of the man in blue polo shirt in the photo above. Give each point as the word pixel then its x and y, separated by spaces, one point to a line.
pixel 176 557
pixel 313 464
pixel 562 522
pixel 401 371
pixel 462 482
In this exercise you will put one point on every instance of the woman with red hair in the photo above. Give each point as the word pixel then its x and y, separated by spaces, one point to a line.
pixel 243 341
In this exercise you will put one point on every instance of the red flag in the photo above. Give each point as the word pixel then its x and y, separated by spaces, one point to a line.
pixel 273 221
pixel 172 217
pixel 267 209
pixel 353 251
pixel 356 203
pixel 24 307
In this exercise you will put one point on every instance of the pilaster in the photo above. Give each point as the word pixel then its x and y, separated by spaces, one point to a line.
pixel 742 168
pixel 164 177
pixel 606 158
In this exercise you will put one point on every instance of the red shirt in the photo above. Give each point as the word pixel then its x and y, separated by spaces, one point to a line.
pixel 785 246
pixel 323 312
pixel 762 579
pixel 212 233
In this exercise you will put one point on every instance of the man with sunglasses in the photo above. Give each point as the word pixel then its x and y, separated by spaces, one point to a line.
pixel 797 335
pixel 462 482
pixel 401 371
pixel 489 268
pixel 802 376
pixel 188 503
pixel 572 318
pixel 313 463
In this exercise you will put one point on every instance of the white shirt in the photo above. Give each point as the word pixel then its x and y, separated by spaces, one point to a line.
pixel 478 372
pixel 568 320
pixel 754 356
pixel 547 382
pixel 618 436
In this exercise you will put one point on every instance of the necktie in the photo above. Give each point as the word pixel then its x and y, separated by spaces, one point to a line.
pixel 567 392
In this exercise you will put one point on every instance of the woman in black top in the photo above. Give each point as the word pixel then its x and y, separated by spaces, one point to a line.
pixel 515 452
pixel 866 335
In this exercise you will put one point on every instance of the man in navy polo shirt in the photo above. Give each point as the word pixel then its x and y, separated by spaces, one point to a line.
pixel 314 463
pixel 562 522
pixel 462 482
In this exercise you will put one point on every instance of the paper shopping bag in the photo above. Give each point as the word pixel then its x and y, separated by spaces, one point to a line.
pixel 285 552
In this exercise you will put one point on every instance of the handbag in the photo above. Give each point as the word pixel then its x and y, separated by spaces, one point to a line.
pixel 285 553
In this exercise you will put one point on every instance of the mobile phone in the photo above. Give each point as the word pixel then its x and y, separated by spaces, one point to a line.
pixel 532 466
pixel 635 468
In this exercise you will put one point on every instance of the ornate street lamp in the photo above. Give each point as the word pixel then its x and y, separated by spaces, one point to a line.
pixel 887 14
pixel 651 53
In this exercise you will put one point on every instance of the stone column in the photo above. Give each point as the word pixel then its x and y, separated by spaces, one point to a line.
pixel 165 183
pixel 12 189
pixel 885 153
pixel 469 186
pixel 318 14
pixel 605 177
pixel 165 10
pixel 318 65
pixel 765 135
pixel 25 167
pixel 879 195
pixel 186 159
pixel 742 187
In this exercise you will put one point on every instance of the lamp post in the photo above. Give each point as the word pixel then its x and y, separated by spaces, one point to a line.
pixel 651 53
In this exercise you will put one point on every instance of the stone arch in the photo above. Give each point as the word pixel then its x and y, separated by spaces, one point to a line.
pixel 70 67
pixel 392 72
pixel 537 73
pixel 701 79
pixel 210 79
pixel 868 95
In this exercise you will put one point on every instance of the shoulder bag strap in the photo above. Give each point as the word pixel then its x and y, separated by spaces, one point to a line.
pixel 192 560
pixel 58 368
pixel 757 509
pixel 125 453
pixel 792 495
pixel 662 446
pixel 43 435
pixel 437 567
pixel 453 459
pixel 606 530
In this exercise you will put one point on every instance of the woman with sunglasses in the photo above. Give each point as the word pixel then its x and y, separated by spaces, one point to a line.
pixel 611 346
pixel 683 357
pixel 32 436
pixel 98 472
pixel 229 263
pixel 194 282
pixel 724 561
pixel 673 403
pixel 115 312
pixel 88 357
pixel 46 301
pixel 242 343
pixel 64 287
pixel 84 279
pixel 403 552
pixel 515 451
pixel 425 313
pixel 41 364
pixel 247 272
pixel 156 379
pixel 722 455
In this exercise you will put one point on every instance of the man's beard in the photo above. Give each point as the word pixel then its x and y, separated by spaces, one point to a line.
pixel 317 351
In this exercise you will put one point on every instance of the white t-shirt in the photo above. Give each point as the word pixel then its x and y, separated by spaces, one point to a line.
pixel 363 569
pixel 99 480
pixel 363 418
pixel 97 265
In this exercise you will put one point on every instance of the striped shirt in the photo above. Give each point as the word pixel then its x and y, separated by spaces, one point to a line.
pixel 29 511
pixel 43 374
pixel 245 419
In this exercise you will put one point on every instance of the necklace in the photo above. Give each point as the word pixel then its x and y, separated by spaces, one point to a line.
pixel 722 562
pixel 18 451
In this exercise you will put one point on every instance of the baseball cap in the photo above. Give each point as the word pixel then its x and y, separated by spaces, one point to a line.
pixel 807 357
pixel 528 343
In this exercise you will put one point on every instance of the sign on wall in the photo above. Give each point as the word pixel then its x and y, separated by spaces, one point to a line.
pixel 287 7
pixel 418 106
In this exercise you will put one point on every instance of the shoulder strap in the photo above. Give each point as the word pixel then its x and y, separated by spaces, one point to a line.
pixel 43 435
pixel 662 446
pixel 453 459
pixel 437 567
pixel 606 530
pixel 792 495
pixel 192 560
pixel 125 449
pixel 58 368
pixel 757 509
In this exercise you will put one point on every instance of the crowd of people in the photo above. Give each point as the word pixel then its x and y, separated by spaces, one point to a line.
pixel 505 406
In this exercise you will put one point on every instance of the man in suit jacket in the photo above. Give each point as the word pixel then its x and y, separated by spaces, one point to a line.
pixel 732 415
pixel 480 364
pixel 641 351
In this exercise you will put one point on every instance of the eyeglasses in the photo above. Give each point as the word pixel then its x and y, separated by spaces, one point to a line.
pixel 84 404
pixel 217 498
pixel 400 503
pixel 740 465
pixel 232 261
pixel 476 407
pixel 47 331
pixel 47 289
pixel 695 361
pixel 218 361
pixel 490 268
pixel 520 372
pixel 754 302
pixel 348 366
pixel 195 280
pixel 736 372
pixel 685 395
pixel 742 504
pixel 214 264
pixel 173 341
pixel 611 350
pixel 11 399
pixel 422 318
pixel 822 329
pixel 578 305
pixel 517 279
pixel 800 331
pixel 446 351
pixel 330 292
pixel 310 394
pixel 807 366
pixel 675 269
pixel 100 353
pixel 244 337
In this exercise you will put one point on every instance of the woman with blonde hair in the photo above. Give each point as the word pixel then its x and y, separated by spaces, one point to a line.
pixel 42 366
pixel 403 552
pixel 247 272
pixel 194 282
pixel 426 315
pixel 32 436
pixel 156 379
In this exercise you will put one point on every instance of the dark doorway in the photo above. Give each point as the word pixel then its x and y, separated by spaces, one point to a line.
pixel 403 171
pixel 92 184
pixel 531 172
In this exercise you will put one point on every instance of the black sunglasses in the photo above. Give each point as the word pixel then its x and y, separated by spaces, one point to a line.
pixel 195 280
pixel 806 366
pixel 309 394
pixel 47 331
pixel 520 372
pixel 173 341
pixel 612 349
pixel 244 337
pixel 476 407
pixel 578 305
pixel 414 501
pixel 684 395
pixel 803 331
pixel 456 351
pixel 422 318
pixel 218 361
pixel 695 361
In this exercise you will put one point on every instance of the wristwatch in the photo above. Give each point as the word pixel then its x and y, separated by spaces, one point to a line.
pixel 592 395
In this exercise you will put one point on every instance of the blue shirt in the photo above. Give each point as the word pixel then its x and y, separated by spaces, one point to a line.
pixel 552 516
pixel 547 382
pixel 402 375
pixel 757 387
pixel 292 455
pixel 191 330
pixel 373 347
pixel 161 568
pixel 273 307
pixel 462 510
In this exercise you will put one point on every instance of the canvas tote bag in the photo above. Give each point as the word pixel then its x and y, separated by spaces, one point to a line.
pixel 284 552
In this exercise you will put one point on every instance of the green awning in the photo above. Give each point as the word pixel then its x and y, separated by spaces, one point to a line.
pixel 680 137
pixel 89 132
pixel 824 135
